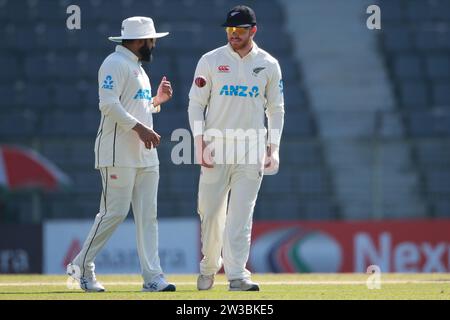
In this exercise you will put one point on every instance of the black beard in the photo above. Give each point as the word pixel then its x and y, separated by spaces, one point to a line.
pixel 146 53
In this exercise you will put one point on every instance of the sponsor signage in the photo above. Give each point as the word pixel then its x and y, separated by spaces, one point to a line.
pixel 20 248
pixel 178 246
pixel 395 246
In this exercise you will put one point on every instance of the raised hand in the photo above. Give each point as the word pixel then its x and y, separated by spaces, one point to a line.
pixel 164 92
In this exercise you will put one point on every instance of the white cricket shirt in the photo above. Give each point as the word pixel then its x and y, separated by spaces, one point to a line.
pixel 125 98
pixel 238 91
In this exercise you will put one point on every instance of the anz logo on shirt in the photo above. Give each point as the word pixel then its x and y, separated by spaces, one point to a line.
pixel 240 91
pixel 143 94
pixel 108 83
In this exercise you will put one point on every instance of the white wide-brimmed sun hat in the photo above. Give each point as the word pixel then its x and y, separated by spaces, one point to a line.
pixel 138 28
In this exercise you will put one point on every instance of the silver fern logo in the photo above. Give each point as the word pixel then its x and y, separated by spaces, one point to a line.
pixel 256 71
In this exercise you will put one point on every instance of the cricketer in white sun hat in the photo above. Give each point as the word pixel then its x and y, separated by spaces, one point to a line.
pixel 138 28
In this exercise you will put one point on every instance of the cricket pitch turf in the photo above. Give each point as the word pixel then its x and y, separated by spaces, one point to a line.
pixel 273 287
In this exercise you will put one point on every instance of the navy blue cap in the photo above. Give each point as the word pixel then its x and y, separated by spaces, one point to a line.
pixel 240 16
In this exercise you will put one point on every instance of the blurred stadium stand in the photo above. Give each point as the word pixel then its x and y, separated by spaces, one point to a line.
pixel 334 164
pixel 415 44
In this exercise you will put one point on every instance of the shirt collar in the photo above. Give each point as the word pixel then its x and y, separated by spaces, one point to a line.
pixel 127 53
pixel 252 53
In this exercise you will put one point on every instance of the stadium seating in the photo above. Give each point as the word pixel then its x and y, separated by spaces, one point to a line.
pixel 49 79
pixel 416 48
pixel 54 97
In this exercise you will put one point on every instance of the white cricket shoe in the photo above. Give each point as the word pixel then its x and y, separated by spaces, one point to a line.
pixel 88 283
pixel 243 285
pixel 158 284
pixel 205 282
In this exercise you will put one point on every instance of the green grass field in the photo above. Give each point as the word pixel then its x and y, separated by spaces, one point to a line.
pixel 273 287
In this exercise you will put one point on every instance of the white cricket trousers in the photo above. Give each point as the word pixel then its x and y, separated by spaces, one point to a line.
pixel 226 199
pixel 122 186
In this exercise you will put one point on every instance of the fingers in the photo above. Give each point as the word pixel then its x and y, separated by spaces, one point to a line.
pixel 268 162
pixel 155 139
pixel 269 151
pixel 209 166
pixel 268 158
pixel 166 87
pixel 148 145
pixel 152 139
pixel 204 155
pixel 203 162
pixel 164 82
pixel 271 166
pixel 208 160
pixel 168 91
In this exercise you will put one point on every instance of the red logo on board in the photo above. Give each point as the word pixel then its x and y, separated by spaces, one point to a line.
pixel 74 249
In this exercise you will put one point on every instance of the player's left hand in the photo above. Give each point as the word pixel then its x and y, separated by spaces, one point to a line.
pixel 272 160
pixel 164 93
